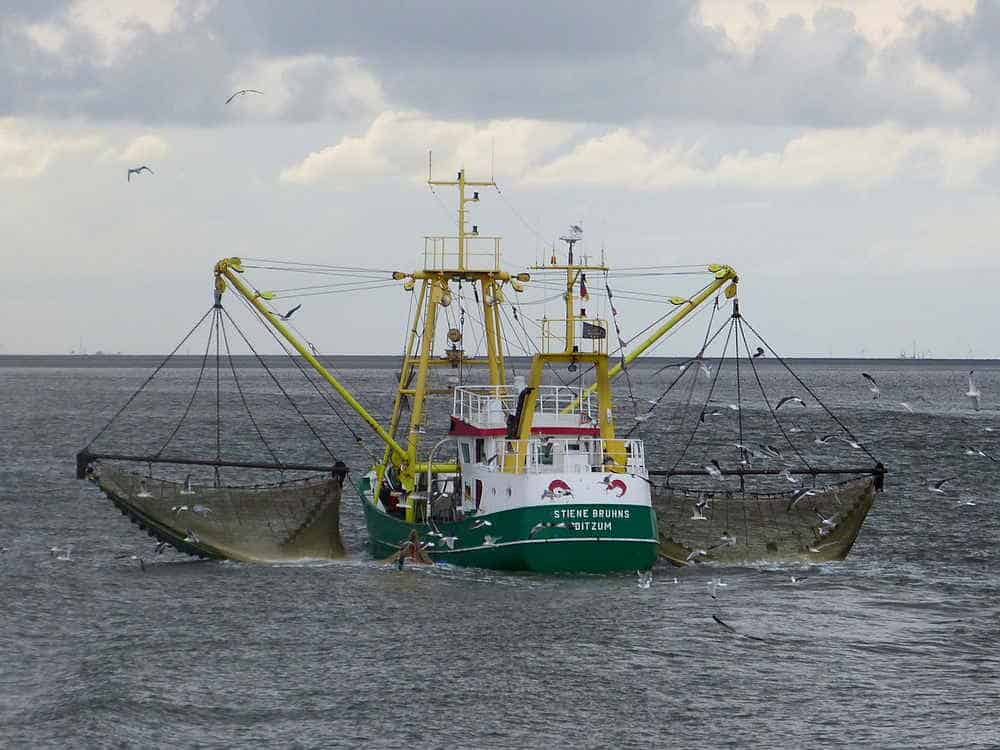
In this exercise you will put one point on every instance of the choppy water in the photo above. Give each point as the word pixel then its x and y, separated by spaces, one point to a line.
pixel 896 647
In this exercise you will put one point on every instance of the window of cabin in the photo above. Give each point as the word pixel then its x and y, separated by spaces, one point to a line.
pixel 479 450
pixel 466 457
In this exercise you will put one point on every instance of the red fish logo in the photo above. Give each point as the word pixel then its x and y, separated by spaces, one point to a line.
pixel 557 489
pixel 615 484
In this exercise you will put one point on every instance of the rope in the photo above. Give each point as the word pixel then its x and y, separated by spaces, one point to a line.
pixel 246 405
pixel 153 375
pixel 218 397
pixel 621 346
pixel 197 385
pixel 810 391
pixel 763 393
pixel 322 394
pixel 527 225
pixel 711 390
pixel 281 388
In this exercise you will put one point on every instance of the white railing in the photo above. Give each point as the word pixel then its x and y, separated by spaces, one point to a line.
pixel 481 253
pixel 489 405
pixel 571 455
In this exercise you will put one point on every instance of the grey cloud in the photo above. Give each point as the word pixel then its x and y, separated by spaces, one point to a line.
pixel 956 44
pixel 559 60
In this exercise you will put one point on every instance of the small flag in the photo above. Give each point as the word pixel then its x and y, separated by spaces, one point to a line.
pixel 583 286
pixel 593 331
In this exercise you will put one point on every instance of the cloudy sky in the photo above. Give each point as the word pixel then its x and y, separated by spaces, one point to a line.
pixel 844 156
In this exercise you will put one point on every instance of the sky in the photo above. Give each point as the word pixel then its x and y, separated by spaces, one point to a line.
pixel 843 156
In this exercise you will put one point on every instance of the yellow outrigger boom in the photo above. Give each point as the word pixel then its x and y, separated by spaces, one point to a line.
pixel 723 275
pixel 228 268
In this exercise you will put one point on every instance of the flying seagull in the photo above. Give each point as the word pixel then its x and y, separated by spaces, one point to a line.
pixel 759 352
pixel 799 496
pixel 938 485
pixel 241 92
pixel 289 314
pixel 873 387
pixel 137 170
pixel 789 400
pixel 480 524
pixel 973 393
pixel 713 469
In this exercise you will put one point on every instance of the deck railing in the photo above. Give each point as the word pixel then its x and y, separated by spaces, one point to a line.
pixel 571 455
pixel 489 405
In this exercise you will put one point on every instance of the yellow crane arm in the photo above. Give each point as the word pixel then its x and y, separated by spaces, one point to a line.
pixel 723 275
pixel 228 269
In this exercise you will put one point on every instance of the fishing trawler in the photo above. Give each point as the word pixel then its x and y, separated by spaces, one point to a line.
pixel 534 472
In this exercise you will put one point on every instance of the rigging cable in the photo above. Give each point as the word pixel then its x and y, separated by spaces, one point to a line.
pixel 243 398
pixel 152 375
pixel 305 374
pixel 809 390
pixel 621 346
pixel 197 385
pixel 281 388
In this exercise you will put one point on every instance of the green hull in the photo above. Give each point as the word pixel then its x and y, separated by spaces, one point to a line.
pixel 608 544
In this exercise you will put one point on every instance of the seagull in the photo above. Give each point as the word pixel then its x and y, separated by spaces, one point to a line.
pixel 178 509
pixel 641 417
pixel 289 314
pixel 576 228
pixel 160 547
pixel 873 387
pixel 645 578
pixel 192 538
pixel 906 406
pixel 490 541
pixel 449 541
pixel 789 400
pixel 799 495
pixel 695 553
pixel 937 486
pixel 973 392
pixel 759 352
pixel 825 440
pixel 800 579
pixel 480 524
pixel 188 487
pixel 137 170
pixel 547 525
pixel 827 523
pixel 713 469
pixel 822 546
pixel 706 369
pixel 143 492
pixel 699 509
pixel 714 585
pixel 733 630
pixel 787 474
pixel 201 509
pixel 242 92
pixel 771 451
pixel 974 452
